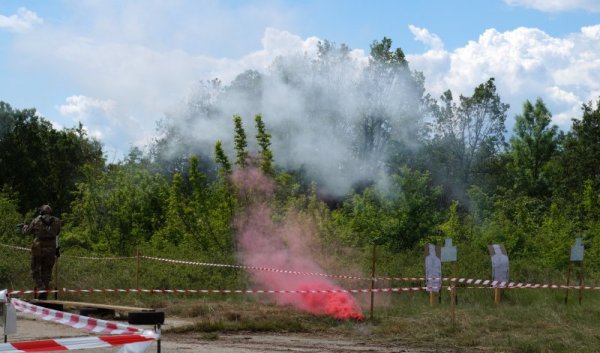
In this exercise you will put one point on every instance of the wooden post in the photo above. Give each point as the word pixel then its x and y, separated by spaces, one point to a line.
pixel 580 282
pixel 496 295
pixel 453 304
pixel 431 298
pixel 372 280
pixel 577 251
pixel 568 280
pixel 137 268
pixel 455 275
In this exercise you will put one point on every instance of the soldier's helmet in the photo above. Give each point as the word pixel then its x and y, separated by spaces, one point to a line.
pixel 45 209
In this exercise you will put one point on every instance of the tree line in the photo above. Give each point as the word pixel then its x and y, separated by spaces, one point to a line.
pixel 449 171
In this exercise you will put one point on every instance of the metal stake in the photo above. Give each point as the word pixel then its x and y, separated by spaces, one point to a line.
pixel 372 280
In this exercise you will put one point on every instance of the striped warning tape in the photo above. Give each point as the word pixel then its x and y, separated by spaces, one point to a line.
pixel 301 291
pixel 76 321
pixel 235 291
pixel 73 257
pixel 254 268
pixel 64 344
pixel 291 272
pixel 15 247
pixel 120 334
pixel 471 281
pixel 99 258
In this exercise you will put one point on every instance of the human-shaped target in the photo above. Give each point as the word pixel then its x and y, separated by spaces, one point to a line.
pixel 499 264
pixel 433 268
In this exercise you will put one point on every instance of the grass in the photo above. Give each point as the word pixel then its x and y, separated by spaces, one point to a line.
pixel 525 321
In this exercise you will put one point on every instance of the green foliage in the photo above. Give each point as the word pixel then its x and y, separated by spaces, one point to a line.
pixel 264 141
pixel 533 146
pixel 554 238
pixel 9 233
pixel 514 223
pixel 40 163
pixel 381 52
pixel 578 161
pixel 400 221
pixel 198 218
pixel 453 227
pixel 222 160
pixel 240 142
pixel 116 209
pixel 466 137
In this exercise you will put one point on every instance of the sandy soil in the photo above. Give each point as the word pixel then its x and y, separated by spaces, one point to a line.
pixel 30 328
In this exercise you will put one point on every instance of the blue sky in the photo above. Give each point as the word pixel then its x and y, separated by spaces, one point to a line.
pixel 119 66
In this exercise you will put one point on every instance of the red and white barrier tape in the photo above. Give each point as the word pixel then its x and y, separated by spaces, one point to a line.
pixel 254 268
pixel 64 344
pixel 293 272
pixel 74 257
pixel 76 321
pixel 15 247
pixel 99 258
pixel 234 291
pixel 474 281
pixel 480 282
pixel 485 285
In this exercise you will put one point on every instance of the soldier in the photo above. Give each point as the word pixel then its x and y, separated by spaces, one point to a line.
pixel 44 249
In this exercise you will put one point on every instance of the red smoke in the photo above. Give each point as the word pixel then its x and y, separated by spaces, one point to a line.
pixel 284 245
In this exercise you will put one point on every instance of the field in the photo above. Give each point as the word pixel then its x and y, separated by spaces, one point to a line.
pixel 526 320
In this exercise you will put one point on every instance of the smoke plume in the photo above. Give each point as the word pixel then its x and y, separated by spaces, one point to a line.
pixel 332 116
pixel 283 245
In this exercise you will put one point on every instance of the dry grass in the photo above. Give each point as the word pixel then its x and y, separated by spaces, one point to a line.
pixel 526 321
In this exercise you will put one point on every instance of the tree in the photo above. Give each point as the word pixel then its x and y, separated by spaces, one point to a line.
pixel 240 142
pixel 401 217
pixel 116 209
pixel 264 141
pixel 532 147
pixel 42 164
pixel 467 135
pixel 579 160
pixel 393 97
pixel 221 160
pixel 381 54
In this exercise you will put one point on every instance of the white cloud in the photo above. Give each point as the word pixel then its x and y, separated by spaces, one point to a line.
pixel 557 5
pixel 80 106
pixel 429 39
pixel 23 21
pixel 592 32
pixel 96 115
pixel 527 63
pixel 140 84
pixel 143 66
pixel 105 121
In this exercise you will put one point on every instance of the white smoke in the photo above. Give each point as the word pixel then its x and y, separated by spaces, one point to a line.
pixel 330 115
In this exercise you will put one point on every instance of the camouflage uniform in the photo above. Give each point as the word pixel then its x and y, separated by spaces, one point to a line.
pixel 45 229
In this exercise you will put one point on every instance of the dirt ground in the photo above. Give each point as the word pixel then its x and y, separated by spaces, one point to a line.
pixel 29 328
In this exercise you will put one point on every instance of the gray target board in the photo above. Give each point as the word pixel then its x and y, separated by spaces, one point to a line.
pixel 448 251
pixel 577 251
pixel 499 263
pixel 433 268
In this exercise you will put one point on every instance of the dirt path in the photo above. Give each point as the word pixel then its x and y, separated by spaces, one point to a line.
pixel 29 328
pixel 259 343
